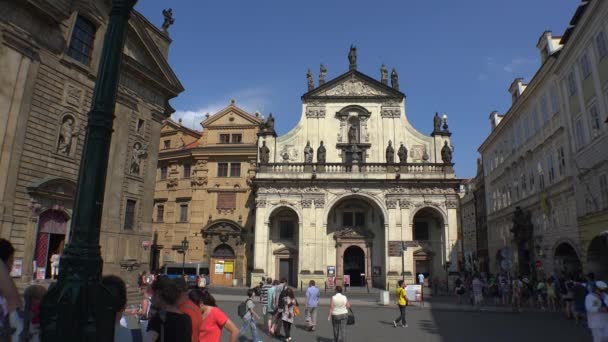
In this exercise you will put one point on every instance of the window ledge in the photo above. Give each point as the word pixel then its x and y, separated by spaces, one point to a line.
pixel 72 63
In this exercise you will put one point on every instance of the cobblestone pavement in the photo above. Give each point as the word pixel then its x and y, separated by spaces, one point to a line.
pixel 375 324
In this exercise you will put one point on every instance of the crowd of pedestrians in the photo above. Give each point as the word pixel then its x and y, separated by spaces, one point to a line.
pixel 581 298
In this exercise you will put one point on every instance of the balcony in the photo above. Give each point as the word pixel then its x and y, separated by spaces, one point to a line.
pixel 356 171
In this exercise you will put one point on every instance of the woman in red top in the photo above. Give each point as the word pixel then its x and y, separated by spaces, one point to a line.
pixel 214 320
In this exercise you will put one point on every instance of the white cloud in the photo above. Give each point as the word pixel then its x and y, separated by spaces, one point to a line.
pixel 517 63
pixel 250 99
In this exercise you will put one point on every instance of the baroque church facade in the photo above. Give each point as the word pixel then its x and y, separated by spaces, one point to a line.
pixel 341 193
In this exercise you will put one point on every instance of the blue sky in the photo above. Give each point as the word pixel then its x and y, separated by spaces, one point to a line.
pixel 454 57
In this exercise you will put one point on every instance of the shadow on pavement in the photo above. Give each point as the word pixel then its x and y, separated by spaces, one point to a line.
pixel 324 339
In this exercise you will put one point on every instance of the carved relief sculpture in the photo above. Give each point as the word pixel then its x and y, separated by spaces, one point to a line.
pixel 390 153
pixel 402 153
pixel 264 153
pixel 137 154
pixel 67 134
pixel 446 153
pixel 308 152
pixel 352 87
pixel 321 154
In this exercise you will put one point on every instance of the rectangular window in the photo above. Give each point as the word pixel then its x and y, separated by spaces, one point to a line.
pixel 140 126
pixel 600 42
pixel 130 215
pixel 187 171
pixel 160 213
pixel 541 181
pixel 531 179
pixel 286 230
pixel 226 200
pixel 585 66
pixel 224 138
pixel 163 172
pixel 535 121
pixel 554 99
pixel 237 138
pixel 359 219
pixel 222 169
pixel 604 190
pixel 544 108
pixel 183 213
pixel 81 43
pixel 235 169
pixel 571 84
pixel 524 185
pixel 579 132
pixel 561 160
pixel 167 144
pixel 594 117
pixel 550 169
pixel 347 219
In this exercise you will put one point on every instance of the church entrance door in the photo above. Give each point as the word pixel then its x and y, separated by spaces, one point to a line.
pixel 354 265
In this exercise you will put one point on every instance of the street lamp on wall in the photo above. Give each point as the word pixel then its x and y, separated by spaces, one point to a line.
pixel 184 249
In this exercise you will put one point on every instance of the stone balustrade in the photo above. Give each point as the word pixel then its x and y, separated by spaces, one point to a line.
pixel 320 169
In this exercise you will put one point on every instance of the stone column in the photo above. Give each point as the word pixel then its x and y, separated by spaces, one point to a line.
pixel 260 245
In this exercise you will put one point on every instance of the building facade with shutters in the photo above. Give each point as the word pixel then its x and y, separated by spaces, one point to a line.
pixel 49 56
pixel 582 71
pixel 203 193
pixel 338 194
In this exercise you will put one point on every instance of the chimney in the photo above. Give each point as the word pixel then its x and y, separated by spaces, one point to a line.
pixel 548 45
pixel 517 88
pixel 495 119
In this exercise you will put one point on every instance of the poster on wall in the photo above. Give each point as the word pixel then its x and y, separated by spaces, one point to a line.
pixel 228 266
pixel 219 268
pixel 346 280
pixel 331 282
pixel 331 271
pixel 17 268
pixel 41 273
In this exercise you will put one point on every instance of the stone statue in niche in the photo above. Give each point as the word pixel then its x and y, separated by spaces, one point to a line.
pixel 390 153
pixel 67 133
pixel 352 58
pixel 394 79
pixel 436 123
pixel 168 14
pixel 264 153
pixel 352 135
pixel 384 74
pixel 322 74
pixel 321 154
pixel 308 151
pixel 311 82
pixel 446 153
pixel 402 153
pixel 137 154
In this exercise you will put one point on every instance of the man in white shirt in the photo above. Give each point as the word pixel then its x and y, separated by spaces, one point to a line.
pixel 596 304
pixel 420 278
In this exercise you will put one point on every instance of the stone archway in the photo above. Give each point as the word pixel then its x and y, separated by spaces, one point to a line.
pixel 428 229
pixel 566 261
pixel 597 256
pixel 50 240
pixel 353 243
pixel 224 252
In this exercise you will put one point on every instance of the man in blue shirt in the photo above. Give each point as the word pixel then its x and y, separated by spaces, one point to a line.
pixel 312 303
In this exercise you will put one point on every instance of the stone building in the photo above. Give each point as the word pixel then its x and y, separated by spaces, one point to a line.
pixel 203 193
pixel 468 225
pixel 49 56
pixel 582 71
pixel 481 226
pixel 528 176
pixel 338 194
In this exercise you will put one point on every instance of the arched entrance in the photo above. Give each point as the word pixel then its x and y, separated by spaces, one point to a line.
pixel 222 265
pixel 226 262
pixel 354 265
pixel 284 237
pixel 428 230
pixel 52 229
pixel 566 261
pixel 597 256
pixel 357 225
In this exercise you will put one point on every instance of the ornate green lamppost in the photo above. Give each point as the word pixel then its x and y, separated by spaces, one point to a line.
pixel 77 308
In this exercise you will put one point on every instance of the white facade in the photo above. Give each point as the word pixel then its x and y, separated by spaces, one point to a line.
pixel 348 214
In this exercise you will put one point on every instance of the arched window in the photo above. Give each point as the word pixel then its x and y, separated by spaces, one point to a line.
pixel 223 251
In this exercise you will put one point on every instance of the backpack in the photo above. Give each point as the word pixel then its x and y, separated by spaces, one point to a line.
pixel 242 308
pixel 282 298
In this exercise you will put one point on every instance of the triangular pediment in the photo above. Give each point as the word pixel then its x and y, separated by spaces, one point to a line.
pixel 353 84
pixel 142 53
pixel 171 127
pixel 231 116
